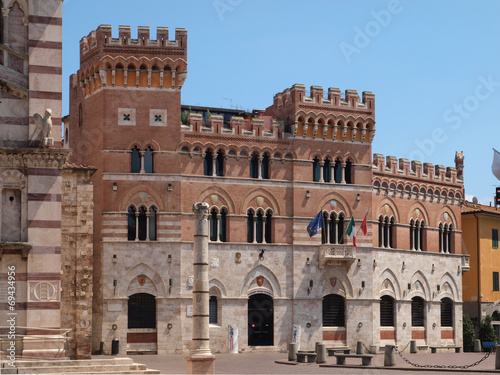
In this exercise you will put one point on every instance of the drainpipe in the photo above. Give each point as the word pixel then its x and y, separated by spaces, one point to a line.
pixel 478 274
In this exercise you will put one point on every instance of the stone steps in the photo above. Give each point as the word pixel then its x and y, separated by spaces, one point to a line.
pixel 120 365
pixel 75 362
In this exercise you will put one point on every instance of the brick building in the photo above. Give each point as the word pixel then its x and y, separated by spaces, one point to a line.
pixel 265 175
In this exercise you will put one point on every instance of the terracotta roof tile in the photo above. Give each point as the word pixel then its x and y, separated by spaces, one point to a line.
pixel 469 207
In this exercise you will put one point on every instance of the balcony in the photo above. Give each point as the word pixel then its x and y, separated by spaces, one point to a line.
pixel 336 255
pixel 465 263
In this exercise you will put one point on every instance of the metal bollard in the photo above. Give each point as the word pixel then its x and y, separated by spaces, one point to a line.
pixel 320 353
pixel 292 351
pixel 497 358
pixel 359 347
pixel 413 346
pixel 477 345
pixel 389 356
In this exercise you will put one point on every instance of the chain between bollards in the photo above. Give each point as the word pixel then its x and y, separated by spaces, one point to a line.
pixel 487 354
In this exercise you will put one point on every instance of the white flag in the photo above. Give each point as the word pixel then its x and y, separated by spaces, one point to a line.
pixel 495 166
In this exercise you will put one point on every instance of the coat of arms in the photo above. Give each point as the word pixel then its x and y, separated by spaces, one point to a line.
pixel 260 201
pixel 214 198
pixel 260 280
pixel 333 281
pixel 141 279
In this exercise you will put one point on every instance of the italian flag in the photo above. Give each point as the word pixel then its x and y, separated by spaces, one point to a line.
pixel 351 231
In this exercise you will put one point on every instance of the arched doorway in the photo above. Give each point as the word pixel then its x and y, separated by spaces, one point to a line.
pixel 260 320
pixel 142 334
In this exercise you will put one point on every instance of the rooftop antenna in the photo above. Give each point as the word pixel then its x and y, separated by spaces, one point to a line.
pixel 230 102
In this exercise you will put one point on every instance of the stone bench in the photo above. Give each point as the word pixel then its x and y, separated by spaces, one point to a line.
pixel 435 348
pixel 366 359
pixel 340 350
pixel 306 356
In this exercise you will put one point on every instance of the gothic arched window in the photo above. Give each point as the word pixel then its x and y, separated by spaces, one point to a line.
pixel 250 226
pixel 254 166
pixel 265 167
pixel 316 170
pixel 337 171
pixel 219 164
pixel 135 163
pixel 148 160
pixel 208 169
pixel 222 225
pixel 142 224
pixel 259 227
pixel 348 172
pixel 213 224
pixel 131 224
pixel 268 227
pixel 152 224
pixel 327 171
pixel 340 229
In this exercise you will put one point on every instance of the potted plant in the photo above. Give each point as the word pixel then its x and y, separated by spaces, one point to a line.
pixel 487 332
pixel 468 333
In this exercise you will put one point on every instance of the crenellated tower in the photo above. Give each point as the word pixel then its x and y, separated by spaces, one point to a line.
pixel 124 100
pixel 132 85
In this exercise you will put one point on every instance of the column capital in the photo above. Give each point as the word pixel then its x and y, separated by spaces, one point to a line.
pixel 200 210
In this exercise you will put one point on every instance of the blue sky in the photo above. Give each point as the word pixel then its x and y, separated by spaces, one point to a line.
pixel 434 67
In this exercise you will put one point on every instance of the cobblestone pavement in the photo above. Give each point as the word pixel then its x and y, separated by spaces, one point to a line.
pixel 265 363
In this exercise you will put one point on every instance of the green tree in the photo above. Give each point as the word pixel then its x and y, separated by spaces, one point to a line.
pixel 468 331
pixel 486 330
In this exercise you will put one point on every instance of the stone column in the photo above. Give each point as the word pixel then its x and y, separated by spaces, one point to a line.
pixel 214 164
pixel 200 360
pixel 148 215
pixel 141 153
pixel 343 165
pixel 255 228
pixel 5 16
pixel 137 225
pixel 321 166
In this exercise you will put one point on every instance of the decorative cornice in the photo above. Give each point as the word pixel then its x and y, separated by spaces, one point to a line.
pixel 14 90
pixel 360 111
pixel 33 158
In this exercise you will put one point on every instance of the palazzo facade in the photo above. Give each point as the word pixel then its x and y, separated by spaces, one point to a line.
pixel 266 175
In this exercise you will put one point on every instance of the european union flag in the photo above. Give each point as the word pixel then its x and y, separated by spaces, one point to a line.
pixel 315 225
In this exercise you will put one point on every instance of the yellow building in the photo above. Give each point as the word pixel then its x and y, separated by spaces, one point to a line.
pixel 481 289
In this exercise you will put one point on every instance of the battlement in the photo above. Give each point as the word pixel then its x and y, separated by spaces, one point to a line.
pixel 297 94
pixel 265 126
pixel 103 37
pixel 430 172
